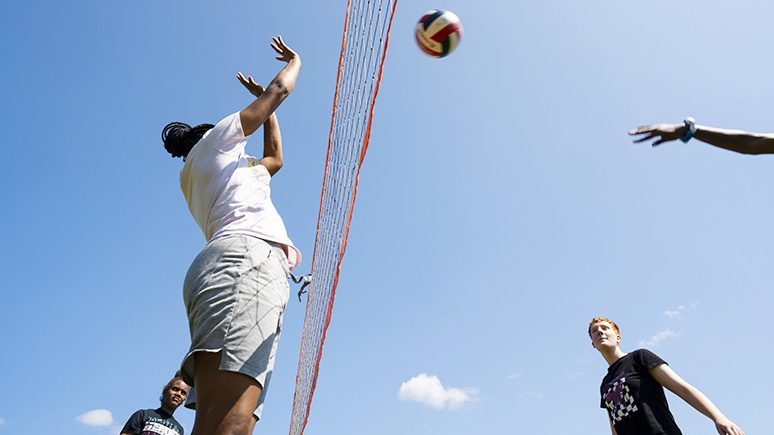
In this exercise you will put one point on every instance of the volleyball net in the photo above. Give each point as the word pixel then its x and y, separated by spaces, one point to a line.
pixel 363 49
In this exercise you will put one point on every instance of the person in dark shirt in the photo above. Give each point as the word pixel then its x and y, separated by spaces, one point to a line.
pixel 633 389
pixel 160 421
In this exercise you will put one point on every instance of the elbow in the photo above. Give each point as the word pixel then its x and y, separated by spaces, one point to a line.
pixel 275 168
pixel 272 164
pixel 280 88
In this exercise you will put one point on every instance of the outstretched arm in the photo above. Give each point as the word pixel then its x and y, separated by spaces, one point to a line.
pixel 674 383
pixel 733 140
pixel 267 101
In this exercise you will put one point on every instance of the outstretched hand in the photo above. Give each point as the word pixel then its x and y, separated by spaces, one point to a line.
pixel 665 132
pixel 286 54
pixel 250 84
pixel 726 427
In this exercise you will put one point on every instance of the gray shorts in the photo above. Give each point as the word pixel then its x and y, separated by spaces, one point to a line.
pixel 235 293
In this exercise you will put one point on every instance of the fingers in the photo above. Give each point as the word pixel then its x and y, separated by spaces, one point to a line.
pixel 278 44
pixel 650 136
pixel 250 84
pixel 650 132
pixel 241 78
pixel 644 138
pixel 641 129
pixel 246 82
pixel 729 429
pixel 285 53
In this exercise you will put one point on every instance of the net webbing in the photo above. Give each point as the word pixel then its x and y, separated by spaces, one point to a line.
pixel 363 49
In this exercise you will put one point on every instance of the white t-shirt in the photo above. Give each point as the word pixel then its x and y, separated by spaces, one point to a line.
pixel 228 191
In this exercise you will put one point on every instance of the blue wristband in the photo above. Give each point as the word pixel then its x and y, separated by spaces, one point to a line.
pixel 691 124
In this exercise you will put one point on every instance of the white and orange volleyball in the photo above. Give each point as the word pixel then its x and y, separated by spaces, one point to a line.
pixel 438 33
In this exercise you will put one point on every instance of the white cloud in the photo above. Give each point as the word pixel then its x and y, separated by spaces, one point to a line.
pixel 428 390
pixel 677 312
pixel 656 339
pixel 2 421
pixel 516 375
pixel 97 417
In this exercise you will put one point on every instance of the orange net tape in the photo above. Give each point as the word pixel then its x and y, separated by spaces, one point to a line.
pixel 363 49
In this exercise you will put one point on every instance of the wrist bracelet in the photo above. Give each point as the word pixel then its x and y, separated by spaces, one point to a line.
pixel 691 124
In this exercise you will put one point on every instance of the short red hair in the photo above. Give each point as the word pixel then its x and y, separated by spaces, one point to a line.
pixel 604 319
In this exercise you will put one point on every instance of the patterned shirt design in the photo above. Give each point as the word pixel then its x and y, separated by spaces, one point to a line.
pixel 618 399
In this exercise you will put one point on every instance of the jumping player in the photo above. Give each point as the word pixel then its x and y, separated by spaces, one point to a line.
pixel 236 290
pixel 633 389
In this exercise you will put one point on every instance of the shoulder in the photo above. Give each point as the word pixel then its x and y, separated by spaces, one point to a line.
pixel 227 134
pixel 142 412
pixel 647 358
pixel 135 422
pixel 228 126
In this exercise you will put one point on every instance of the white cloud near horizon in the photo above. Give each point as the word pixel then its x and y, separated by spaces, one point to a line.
pixel 658 338
pixel 429 391
pixel 96 417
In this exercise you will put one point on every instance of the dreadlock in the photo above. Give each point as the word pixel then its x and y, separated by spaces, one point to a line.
pixel 179 137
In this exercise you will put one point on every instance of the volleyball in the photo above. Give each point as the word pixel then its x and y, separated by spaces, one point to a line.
pixel 438 33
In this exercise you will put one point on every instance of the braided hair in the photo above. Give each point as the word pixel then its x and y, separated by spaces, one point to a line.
pixel 179 137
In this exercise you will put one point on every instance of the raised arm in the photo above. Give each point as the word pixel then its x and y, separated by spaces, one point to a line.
pixel 267 101
pixel 734 140
pixel 272 145
pixel 674 383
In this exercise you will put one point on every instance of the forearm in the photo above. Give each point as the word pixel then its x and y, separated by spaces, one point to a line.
pixel 272 145
pixel 259 111
pixel 700 402
pixel 736 140
pixel 285 81
pixel 279 88
pixel 669 379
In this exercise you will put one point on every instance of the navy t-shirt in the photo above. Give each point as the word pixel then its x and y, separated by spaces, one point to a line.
pixel 634 399
pixel 152 422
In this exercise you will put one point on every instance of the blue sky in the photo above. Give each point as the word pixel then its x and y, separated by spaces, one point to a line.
pixel 501 207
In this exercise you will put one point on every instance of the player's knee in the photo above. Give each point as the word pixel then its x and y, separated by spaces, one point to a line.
pixel 238 425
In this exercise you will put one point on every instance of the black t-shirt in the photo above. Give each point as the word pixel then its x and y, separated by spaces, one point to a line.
pixel 634 399
pixel 152 422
